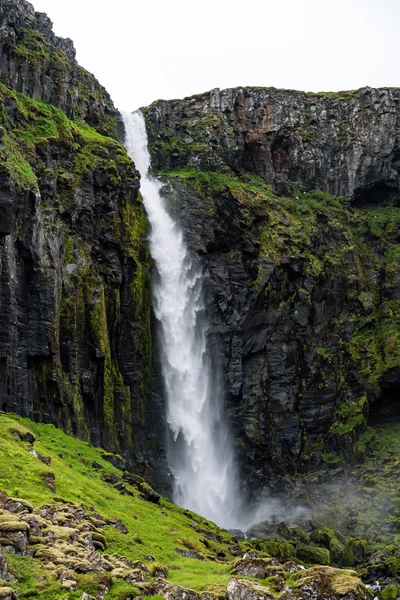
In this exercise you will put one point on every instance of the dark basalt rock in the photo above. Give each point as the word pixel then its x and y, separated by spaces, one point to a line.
pixel 297 304
pixel 344 143
pixel 41 65
pixel 75 307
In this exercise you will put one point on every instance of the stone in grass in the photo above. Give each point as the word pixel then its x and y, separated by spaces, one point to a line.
pixel 4 574
pixel 23 434
pixel 148 493
pixel 241 589
pixel 189 553
pixel 7 593
pixel 115 459
pixel 49 479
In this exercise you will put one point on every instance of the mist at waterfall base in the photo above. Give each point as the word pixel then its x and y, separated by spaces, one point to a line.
pixel 199 449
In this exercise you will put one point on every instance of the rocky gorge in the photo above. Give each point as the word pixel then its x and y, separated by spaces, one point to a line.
pixel 290 202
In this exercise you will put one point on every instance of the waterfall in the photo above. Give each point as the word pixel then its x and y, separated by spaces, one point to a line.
pixel 199 451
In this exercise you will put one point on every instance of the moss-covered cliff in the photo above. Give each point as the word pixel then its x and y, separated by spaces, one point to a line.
pixel 37 63
pixel 75 340
pixel 302 286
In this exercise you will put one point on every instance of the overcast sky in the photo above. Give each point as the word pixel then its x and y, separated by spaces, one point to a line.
pixel 142 50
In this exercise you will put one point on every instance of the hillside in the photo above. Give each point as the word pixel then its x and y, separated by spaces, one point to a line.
pixel 72 523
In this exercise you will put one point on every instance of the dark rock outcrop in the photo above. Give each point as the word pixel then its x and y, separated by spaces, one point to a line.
pixel 41 65
pixel 75 339
pixel 345 143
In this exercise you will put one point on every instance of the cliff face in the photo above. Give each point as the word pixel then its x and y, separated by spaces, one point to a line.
pixel 37 63
pixel 75 340
pixel 345 143
pixel 303 288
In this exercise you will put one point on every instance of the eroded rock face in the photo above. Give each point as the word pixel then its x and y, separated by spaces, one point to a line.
pixel 37 63
pixel 345 143
pixel 300 286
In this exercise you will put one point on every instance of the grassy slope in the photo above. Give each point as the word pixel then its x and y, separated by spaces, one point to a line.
pixel 153 529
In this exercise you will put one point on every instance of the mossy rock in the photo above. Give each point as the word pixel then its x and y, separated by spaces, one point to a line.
pixel 22 433
pixel 328 583
pixel 328 539
pixel 313 554
pixel 7 593
pixel 147 492
pixel 17 505
pixel 354 552
pixel 293 531
pixel 281 549
pixel 13 526
pixel 391 592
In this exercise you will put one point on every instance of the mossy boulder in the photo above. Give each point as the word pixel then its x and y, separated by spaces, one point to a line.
pixel 7 593
pixel 354 552
pixel 313 554
pixel 241 589
pixel 327 583
pixel 259 568
pixel 279 548
pixel 148 493
pixel 328 539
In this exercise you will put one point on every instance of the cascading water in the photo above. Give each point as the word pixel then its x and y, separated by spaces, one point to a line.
pixel 199 451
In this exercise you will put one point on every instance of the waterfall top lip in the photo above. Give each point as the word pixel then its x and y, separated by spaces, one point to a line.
pixel 137 145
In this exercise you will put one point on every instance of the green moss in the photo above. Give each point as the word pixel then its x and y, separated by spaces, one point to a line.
pixel 279 548
pixel 390 592
pixel 18 167
pixel 39 124
pixel 32 47
pixel 313 554
pixel 350 416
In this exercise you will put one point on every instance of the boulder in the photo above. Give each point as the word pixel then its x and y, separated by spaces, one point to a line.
pixel 313 554
pixel 240 589
pixel 327 583
pixel 259 568
pixel 7 593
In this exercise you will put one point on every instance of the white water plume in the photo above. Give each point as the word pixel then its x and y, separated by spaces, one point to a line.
pixel 199 450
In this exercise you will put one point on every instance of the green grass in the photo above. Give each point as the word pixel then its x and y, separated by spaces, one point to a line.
pixel 153 529
pixel 34 124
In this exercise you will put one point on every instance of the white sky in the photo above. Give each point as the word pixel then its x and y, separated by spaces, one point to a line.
pixel 145 50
